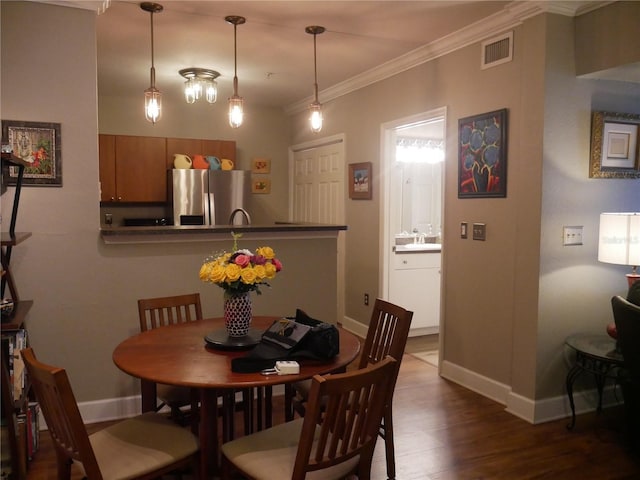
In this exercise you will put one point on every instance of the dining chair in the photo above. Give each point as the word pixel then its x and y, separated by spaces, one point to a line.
pixel 334 439
pixel 386 336
pixel 162 311
pixel 142 447
pixel 627 318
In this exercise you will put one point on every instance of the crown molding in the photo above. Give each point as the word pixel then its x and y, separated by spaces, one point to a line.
pixel 98 6
pixel 513 14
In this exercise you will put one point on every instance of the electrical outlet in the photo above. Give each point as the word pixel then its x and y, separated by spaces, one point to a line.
pixel 366 299
pixel 572 235
pixel 108 219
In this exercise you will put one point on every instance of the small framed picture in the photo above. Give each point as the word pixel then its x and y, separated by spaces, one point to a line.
pixel 360 181
pixel 614 145
pixel 261 165
pixel 261 185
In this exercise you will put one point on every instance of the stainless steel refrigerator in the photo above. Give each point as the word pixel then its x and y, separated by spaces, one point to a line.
pixel 209 197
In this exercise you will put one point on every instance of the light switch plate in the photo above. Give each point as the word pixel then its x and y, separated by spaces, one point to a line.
pixel 479 231
pixel 463 230
pixel 572 235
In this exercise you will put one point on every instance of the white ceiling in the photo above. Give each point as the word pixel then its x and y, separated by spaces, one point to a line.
pixel 275 55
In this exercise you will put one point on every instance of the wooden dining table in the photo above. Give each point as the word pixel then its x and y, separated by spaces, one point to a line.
pixel 179 355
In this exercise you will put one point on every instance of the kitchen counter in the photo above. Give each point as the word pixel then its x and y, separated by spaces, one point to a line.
pixel 419 248
pixel 208 233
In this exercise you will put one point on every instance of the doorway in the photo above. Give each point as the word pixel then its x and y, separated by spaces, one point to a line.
pixel 412 159
pixel 316 193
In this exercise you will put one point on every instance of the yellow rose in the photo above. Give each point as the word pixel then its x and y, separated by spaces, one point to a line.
pixel 217 274
pixel 270 270
pixel 232 272
pixel 260 272
pixel 204 272
pixel 248 276
pixel 266 252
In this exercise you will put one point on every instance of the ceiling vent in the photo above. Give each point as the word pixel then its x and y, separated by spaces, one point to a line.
pixel 497 50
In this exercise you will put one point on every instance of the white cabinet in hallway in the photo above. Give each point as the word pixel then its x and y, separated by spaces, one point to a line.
pixel 414 284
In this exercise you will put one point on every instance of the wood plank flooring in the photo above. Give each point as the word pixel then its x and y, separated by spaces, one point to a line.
pixel 446 432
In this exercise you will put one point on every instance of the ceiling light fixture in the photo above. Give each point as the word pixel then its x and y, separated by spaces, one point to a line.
pixel 236 110
pixel 315 109
pixel 152 96
pixel 200 80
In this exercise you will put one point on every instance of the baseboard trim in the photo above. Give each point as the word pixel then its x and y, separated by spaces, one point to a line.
pixel 530 410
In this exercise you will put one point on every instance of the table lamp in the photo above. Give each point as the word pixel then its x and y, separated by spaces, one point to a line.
pixel 619 241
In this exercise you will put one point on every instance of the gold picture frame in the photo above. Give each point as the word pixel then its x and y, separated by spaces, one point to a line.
pixel 614 145
pixel 260 165
pixel 261 185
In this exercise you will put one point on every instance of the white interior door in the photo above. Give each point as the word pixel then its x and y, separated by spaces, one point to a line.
pixel 317 187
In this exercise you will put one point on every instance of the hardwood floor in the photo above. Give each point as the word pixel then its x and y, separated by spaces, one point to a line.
pixel 446 432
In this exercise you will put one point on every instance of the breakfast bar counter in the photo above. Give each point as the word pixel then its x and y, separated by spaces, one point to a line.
pixel 208 233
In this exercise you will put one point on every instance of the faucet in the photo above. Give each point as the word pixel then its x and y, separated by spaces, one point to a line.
pixel 243 211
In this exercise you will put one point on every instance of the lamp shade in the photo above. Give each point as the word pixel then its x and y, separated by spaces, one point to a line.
pixel 619 238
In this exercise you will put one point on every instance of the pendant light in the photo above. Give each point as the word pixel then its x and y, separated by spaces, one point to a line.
pixel 236 112
pixel 152 96
pixel 315 109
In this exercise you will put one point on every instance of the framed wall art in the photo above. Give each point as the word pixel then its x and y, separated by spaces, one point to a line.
pixel 39 145
pixel 360 181
pixel 260 165
pixel 482 155
pixel 261 185
pixel 614 145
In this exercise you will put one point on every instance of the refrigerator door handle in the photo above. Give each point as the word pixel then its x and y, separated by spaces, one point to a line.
pixel 209 208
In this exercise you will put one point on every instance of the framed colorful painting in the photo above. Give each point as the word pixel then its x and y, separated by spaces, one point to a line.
pixel 482 155
pixel 360 181
pixel 38 144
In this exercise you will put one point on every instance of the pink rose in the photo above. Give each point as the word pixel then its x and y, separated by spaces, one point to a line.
pixel 259 260
pixel 277 264
pixel 242 260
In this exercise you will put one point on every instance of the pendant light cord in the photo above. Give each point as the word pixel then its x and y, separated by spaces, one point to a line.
pixel 315 68
pixel 235 59
pixel 153 68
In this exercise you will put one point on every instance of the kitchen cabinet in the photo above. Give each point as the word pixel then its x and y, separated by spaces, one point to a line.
pixel 414 284
pixel 132 169
pixel 193 146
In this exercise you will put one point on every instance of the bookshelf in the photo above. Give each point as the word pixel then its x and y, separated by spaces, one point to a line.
pixel 19 413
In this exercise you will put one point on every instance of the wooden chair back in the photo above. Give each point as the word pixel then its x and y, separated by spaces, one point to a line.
pixel 342 418
pixel 163 311
pixel 60 410
pixel 387 334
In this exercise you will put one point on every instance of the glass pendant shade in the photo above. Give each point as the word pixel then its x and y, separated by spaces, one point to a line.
pixel 315 117
pixel 236 111
pixel 189 91
pixel 152 104
pixel 211 91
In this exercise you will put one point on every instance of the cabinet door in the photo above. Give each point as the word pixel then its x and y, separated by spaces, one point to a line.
pixel 220 148
pixel 141 169
pixel 187 146
pixel 415 285
pixel 107 160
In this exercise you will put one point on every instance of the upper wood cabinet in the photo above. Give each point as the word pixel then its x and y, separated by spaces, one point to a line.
pixel 194 146
pixel 133 169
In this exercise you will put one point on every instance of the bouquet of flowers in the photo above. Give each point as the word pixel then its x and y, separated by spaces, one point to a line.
pixel 241 271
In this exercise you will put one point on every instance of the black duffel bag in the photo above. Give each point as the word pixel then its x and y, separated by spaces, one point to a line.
pixel 297 338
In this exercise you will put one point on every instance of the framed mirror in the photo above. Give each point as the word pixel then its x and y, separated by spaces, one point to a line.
pixel 614 145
